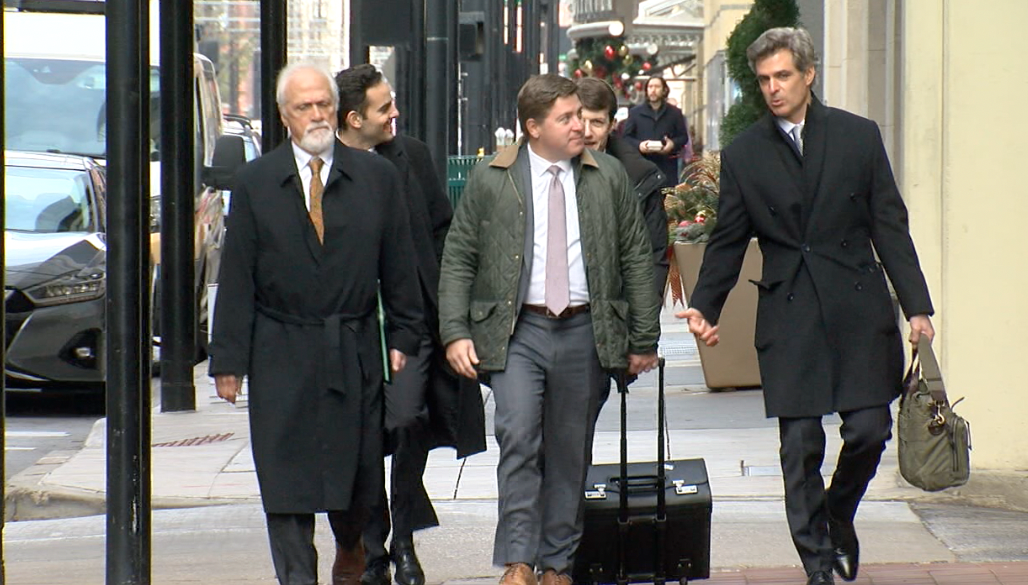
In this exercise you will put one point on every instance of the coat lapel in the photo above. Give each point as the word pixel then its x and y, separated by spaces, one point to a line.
pixel 815 133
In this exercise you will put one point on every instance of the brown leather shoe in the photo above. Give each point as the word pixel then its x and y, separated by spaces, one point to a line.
pixel 518 574
pixel 551 577
pixel 349 565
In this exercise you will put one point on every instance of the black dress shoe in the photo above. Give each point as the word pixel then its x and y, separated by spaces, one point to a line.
pixel 820 578
pixel 846 549
pixel 377 573
pixel 408 569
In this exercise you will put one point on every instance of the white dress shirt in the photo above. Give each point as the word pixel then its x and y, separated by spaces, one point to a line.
pixel 541 179
pixel 303 159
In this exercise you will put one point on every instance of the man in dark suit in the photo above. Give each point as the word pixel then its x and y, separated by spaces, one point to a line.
pixel 815 186
pixel 599 105
pixel 306 252
pixel 425 405
pixel 657 129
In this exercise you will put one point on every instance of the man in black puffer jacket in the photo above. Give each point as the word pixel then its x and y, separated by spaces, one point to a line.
pixel 599 104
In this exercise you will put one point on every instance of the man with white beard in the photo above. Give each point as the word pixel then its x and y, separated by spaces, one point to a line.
pixel 312 237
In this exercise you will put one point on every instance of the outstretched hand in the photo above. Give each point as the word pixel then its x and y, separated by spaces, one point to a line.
pixel 700 327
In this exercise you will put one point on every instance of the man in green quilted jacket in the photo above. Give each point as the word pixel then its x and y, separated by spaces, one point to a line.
pixel 546 287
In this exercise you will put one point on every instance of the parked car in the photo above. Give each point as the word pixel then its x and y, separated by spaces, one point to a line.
pixel 55 101
pixel 56 272
pixel 241 126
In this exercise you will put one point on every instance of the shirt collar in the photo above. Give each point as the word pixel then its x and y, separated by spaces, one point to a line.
pixel 787 126
pixel 541 166
pixel 303 158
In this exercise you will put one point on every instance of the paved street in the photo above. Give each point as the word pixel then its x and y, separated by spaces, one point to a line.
pixel 40 423
pixel 907 536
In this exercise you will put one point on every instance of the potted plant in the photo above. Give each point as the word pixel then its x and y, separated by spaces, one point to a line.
pixel 692 215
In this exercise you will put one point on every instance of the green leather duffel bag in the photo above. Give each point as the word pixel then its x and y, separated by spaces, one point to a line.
pixel 934 442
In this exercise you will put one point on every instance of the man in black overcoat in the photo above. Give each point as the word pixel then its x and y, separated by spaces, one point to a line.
pixel 426 405
pixel 814 185
pixel 313 236
pixel 657 129
pixel 599 105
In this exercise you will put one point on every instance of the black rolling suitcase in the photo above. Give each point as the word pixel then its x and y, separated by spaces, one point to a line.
pixel 656 530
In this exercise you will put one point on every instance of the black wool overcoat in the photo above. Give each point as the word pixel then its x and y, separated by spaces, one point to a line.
pixel 826 334
pixel 299 318
pixel 456 413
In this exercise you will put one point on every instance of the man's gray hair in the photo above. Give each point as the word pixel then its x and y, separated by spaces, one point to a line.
pixel 797 40
pixel 287 73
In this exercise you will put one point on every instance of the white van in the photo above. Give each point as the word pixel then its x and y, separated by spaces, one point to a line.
pixel 55 90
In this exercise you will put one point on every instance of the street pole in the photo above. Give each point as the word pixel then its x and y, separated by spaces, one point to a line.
pixel 453 73
pixel 553 35
pixel 530 34
pixel 417 61
pixel 128 473
pixel 178 289
pixel 273 59
pixel 3 322
pixel 437 82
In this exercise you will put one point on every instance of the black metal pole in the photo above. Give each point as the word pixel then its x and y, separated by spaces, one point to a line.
pixel 358 52
pixel 273 59
pixel 453 79
pixel 417 107
pixel 128 510
pixel 553 36
pixel 530 35
pixel 3 322
pixel 492 72
pixel 437 82
pixel 144 336
pixel 177 282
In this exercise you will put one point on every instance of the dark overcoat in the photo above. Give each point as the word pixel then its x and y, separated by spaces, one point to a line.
pixel 645 123
pixel 456 414
pixel 298 317
pixel 826 334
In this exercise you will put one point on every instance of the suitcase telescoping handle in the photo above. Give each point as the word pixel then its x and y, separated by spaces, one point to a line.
pixel 627 484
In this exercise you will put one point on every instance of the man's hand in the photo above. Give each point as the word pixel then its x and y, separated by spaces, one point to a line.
pixel 700 327
pixel 462 357
pixel 228 386
pixel 921 325
pixel 397 360
pixel 639 363
pixel 669 145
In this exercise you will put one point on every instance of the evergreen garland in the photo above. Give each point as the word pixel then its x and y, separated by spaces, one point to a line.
pixel 764 14
pixel 608 58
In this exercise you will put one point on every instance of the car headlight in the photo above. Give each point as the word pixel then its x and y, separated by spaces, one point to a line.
pixel 69 289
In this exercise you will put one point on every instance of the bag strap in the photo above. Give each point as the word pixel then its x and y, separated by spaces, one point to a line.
pixel 930 371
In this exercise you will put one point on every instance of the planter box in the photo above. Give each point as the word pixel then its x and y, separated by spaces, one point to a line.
pixel 732 363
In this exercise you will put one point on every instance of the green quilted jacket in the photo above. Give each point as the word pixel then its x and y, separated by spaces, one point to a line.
pixel 482 260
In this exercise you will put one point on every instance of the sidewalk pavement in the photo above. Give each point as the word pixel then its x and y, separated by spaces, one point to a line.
pixel 203 459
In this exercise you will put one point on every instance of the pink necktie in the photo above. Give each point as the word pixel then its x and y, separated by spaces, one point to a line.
pixel 558 294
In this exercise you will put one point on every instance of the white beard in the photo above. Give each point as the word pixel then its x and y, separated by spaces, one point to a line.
pixel 317 139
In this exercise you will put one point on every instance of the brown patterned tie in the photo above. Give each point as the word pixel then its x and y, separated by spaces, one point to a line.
pixel 317 187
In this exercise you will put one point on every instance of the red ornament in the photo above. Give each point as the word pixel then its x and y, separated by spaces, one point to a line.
pixel 599 71
pixel 647 66
pixel 638 85
pixel 618 83
pixel 579 73
pixel 609 52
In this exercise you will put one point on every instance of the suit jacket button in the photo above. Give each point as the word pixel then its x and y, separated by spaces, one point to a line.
pixel 806 247
pixel 789 297
pixel 844 243
pixel 771 208
pixel 858 286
